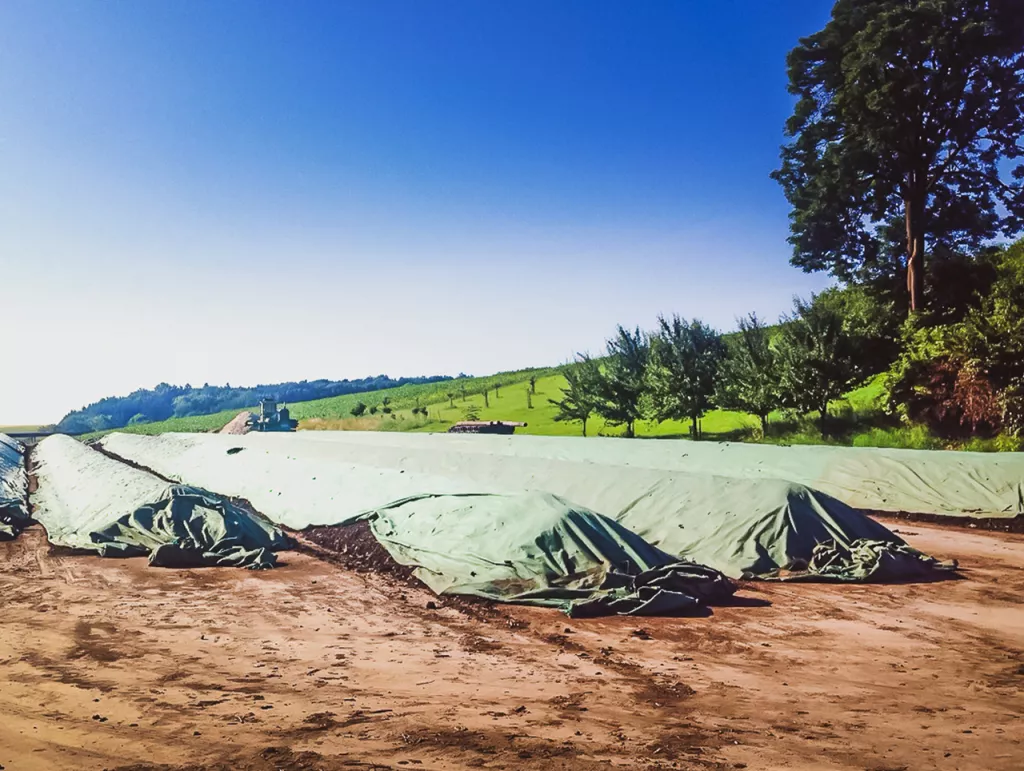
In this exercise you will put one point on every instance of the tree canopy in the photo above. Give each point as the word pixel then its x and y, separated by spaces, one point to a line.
pixel 623 385
pixel 750 374
pixel 818 358
pixel 581 395
pixel 905 133
pixel 683 371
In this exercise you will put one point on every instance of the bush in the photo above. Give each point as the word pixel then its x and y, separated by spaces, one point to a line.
pixel 967 377
pixel 910 438
pixel 358 409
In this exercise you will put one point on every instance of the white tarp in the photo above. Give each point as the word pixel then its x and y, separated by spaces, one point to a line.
pixel 13 487
pixel 86 500
pixel 969 484
pixel 734 525
pixel 81 490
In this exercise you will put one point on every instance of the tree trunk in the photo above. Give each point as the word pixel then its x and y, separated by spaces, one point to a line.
pixel 629 429
pixel 823 424
pixel 764 425
pixel 694 430
pixel 913 207
pixel 584 426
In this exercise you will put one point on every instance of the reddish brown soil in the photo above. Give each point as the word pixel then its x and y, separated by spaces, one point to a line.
pixel 108 664
pixel 1002 524
pixel 354 547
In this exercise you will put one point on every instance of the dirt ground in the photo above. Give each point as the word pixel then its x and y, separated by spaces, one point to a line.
pixel 109 664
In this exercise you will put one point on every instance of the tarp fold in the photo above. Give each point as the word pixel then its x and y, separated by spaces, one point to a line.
pixel 88 501
pixel 13 487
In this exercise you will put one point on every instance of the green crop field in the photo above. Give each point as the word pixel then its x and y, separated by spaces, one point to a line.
pixel 451 401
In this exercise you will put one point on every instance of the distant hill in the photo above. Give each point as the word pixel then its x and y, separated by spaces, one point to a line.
pixel 169 401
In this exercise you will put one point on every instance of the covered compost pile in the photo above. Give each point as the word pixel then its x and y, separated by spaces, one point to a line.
pixel 538 549
pixel 88 501
pixel 741 527
pixel 13 488
pixel 937 482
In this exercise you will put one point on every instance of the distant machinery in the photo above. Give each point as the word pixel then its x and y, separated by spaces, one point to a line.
pixel 485 427
pixel 272 418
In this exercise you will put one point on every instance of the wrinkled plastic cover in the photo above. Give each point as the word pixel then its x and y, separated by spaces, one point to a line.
pixel 735 525
pixel 941 482
pixel 13 487
pixel 86 500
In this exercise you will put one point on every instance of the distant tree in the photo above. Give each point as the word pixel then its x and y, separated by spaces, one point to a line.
pixel 451 399
pixel 749 379
pixel 385 402
pixel 497 390
pixel 908 117
pixel 462 390
pixel 818 358
pixel 683 370
pixel 622 385
pixel 533 384
pixel 358 409
pixel 373 409
pixel 487 402
pixel 581 395
pixel 471 412
pixel 529 398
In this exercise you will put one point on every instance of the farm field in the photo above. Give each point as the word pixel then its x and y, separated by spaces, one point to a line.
pixel 510 402
pixel 109 664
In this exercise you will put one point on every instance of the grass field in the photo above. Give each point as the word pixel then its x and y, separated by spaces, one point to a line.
pixel 451 401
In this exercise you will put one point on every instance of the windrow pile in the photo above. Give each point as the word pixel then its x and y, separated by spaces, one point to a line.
pixel 941 483
pixel 13 488
pixel 88 501
pixel 741 527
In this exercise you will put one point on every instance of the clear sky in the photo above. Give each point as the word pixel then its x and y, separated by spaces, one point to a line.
pixel 245 192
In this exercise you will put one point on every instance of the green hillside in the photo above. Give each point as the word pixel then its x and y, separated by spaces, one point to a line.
pixel 510 402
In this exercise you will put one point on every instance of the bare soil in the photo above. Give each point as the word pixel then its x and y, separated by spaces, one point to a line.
pixel 109 664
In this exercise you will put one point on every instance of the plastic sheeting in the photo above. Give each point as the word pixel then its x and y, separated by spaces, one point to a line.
pixel 734 525
pixel 538 549
pixel 13 488
pixel 86 500
pixel 965 484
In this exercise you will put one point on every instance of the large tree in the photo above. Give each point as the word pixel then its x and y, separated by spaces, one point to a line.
pixel 683 372
pixel 905 135
pixel 623 385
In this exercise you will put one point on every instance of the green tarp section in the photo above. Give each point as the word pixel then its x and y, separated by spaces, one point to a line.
pixel 538 549
pixel 738 526
pixel 88 501
pixel 188 527
pixel 940 482
pixel 13 486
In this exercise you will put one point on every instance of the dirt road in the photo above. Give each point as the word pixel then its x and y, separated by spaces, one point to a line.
pixel 108 664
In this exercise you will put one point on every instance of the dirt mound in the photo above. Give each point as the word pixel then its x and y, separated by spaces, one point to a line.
pixel 999 524
pixel 355 548
pixel 239 424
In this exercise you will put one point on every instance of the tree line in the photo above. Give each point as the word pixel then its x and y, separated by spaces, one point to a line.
pixel 958 370
pixel 684 368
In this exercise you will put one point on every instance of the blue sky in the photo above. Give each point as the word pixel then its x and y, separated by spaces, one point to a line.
pixel 378 187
